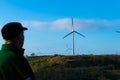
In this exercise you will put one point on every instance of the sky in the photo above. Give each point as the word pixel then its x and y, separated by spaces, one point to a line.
pixel 48 21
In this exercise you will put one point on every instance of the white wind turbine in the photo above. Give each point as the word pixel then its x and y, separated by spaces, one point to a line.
pixel 72 32
pixel 118 31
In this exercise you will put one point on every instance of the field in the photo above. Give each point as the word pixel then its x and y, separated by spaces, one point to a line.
pixel 81 67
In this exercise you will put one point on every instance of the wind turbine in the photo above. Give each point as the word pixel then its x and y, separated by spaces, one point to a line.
pixel 118 31
pixel 72 32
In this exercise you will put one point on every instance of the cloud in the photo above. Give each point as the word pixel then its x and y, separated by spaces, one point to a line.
pixel 96 24
pixel 61 24
pixel 66 24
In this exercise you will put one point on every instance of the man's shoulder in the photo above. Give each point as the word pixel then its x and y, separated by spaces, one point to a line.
pixel 6 56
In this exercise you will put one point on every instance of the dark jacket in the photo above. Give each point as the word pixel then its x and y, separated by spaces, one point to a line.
pixel 13 65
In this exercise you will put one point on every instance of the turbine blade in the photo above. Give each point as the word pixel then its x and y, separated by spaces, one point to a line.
pixel 72 25
pixel 72 21
pixel 118 31
pixel 79 33
pixel 68 34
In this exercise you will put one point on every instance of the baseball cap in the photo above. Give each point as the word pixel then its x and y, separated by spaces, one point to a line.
pixel 12 30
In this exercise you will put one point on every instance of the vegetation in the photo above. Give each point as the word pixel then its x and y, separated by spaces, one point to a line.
pixel 83 67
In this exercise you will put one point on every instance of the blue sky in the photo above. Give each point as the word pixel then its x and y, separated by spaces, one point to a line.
pixel 50 20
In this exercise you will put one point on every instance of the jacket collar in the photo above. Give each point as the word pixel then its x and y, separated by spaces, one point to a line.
pixel 13 48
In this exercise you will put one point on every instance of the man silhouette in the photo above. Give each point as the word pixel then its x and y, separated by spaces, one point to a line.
pixel 13 65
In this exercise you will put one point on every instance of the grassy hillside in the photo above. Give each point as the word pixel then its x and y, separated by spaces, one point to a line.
pixel 85 67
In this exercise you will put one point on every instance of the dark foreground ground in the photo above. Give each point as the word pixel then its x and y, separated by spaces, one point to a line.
pixel 84 67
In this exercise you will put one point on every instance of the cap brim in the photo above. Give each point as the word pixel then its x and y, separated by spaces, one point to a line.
pixel 24 28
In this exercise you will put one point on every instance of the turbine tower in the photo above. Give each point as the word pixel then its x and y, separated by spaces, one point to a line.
pixel 72 32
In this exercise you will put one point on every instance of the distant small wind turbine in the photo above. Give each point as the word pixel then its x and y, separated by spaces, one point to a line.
pixel 118 31
pixel 73 31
